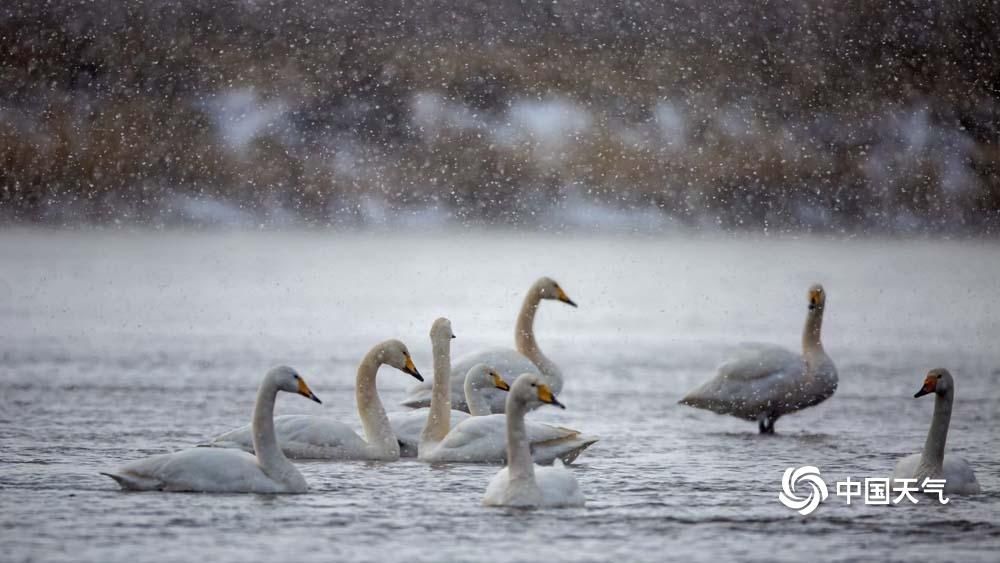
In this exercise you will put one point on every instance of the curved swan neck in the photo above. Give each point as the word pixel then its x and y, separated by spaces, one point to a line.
pixel 520 465
pixel 378 432
pixel 476 399
pixel 439 418
pixel 811 333
pixel 524 339
pixel 933 453
pixel 265 442
pixel 812 330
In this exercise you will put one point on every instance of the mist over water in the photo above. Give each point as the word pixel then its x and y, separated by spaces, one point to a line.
pixel 120 344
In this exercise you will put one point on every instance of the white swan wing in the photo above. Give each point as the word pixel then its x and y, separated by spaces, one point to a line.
pixel 556 484
pixel 960 479
pixel 757 379
pixel 203 470
pixel 559 486
pixel 409 425
pixel 483 439
pixel 477 439
pixel 303 437
pixel 760 361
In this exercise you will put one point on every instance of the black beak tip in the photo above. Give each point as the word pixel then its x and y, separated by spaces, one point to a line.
pixel 416 375
pixel 315 398
pixel 453 337
pixel 570 302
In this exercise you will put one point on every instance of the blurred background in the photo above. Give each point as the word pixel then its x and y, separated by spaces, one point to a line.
pixel 843 117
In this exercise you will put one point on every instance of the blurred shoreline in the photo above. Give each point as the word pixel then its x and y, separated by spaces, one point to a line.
pixel 867 117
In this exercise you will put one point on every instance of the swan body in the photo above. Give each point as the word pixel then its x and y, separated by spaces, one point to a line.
pixel 932 462
pixel 228 471
pixel 766 382
pixel 317 437
pixel 481 439
pixel 408 425
pixel 526 358
pixel 521 483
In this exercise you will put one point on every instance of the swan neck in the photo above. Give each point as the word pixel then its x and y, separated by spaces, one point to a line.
pixel 520 465
pixel 811 333
pixel 439 418
pixel 265 442
pixel 378 432
pixel 524 340
pixel 476 399
pixel 933 454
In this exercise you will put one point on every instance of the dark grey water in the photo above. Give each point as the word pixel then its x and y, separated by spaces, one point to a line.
pixel 120 345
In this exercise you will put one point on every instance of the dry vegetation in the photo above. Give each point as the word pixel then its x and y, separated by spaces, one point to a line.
pixel 882 116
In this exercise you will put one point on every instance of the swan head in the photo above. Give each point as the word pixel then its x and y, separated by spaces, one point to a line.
pixel 441 330
pixel 288 380
pixel 395 354
pixel 530 390
pixel 817 297
pixel 482 376
pixel 548 288
pixel 938 381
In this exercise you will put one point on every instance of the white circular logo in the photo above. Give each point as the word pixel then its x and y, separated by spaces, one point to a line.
pixel 805 475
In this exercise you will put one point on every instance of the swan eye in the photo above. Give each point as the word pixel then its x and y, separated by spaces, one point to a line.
pixel 295 377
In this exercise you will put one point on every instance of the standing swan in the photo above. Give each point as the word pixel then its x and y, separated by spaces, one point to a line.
pixel 480 439
pixel 522 483
pixel 317 437
pixel 528 357
pixel 228 471
pixel 408 425
pixel 769 381
pixel 932 463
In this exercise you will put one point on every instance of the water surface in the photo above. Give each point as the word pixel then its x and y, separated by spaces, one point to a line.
pixel 118 345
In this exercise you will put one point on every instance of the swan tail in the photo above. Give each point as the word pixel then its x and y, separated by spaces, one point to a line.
pixel 706 402
pixel 564 450
pixel 134 482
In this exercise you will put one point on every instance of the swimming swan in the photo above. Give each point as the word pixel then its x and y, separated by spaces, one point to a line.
pixel 767 382
pixel 957 473
pixel 480 439
pixel 318 437
pixel 408 425
pixel 228 471
pixel 521 483
pixel 527 358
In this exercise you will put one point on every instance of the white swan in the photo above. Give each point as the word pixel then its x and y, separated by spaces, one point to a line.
pixel 766 382
pixel 317 437
pixel 522 483
pixel 527 358
pixel 480 439
pixel 408 425
pixel 959 477
pixel 228 471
